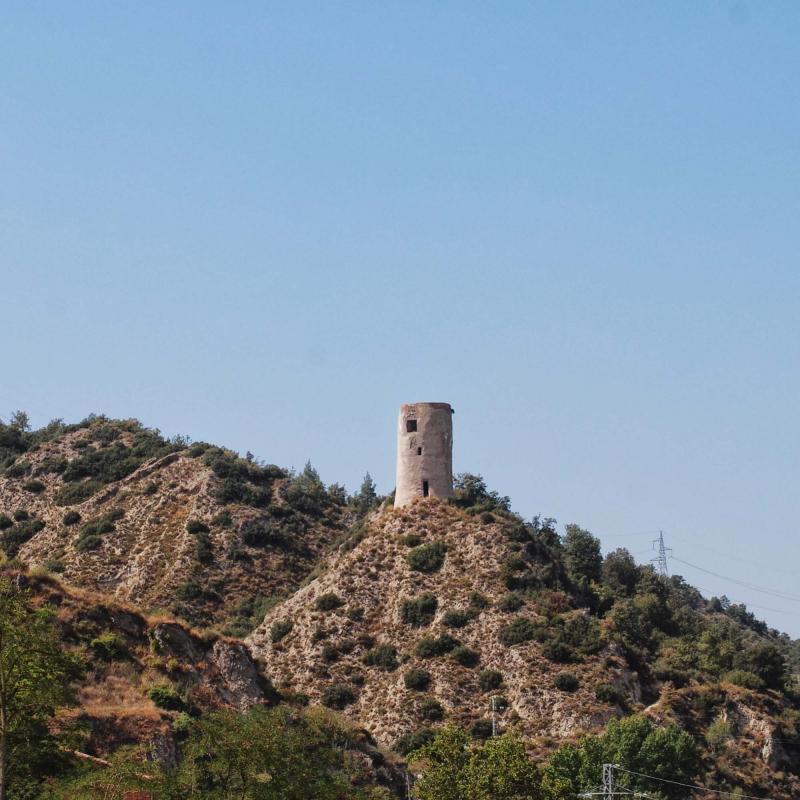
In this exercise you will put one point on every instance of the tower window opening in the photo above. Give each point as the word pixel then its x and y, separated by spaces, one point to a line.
pixel 425 491
pixel 411 425
pixel 419 451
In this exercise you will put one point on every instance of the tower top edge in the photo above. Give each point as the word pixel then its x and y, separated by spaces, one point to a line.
pixel 441 406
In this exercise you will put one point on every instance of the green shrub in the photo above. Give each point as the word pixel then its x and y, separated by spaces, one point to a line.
pixel 34 486
pixel 489 680
pixel 195 526
pixel 21 515
pixel 747 680
pixel 72 493
pixel 559 652
pixel 566 682
pixel 432 646
pixel 417 679
pixel 240 480
pixel 347 646
pixel 477 601
pixel 518 533
pixel 581 631
pixel 481 729
pixel 411 540
pixel 12 539
pixel 188 590
pixel 235 553
pixel 86 543
pixel 223 519
pixel 261 533
pixel 606 693
pixel 328 602
pixel 515 563
pixel 427 557
pixel 71 518
pixel 413 741
pixel 5 522
pixel 431 710
pixel 166 697
pixel 54 564
pixel 280 628
pixel 718 734
pixel 338 696
pixel 91 532
pixel 465 656
pixel 520 630
pixel 203 549
pixel 17 470
pixel 330 653
pixel 117 460
pixel 182 725
pixel 355 613
pixel 664 671
pixel 109 647
pixel 383 656
pixel 419 611
pixel 510 602
pixel 150 488
pixel 456 618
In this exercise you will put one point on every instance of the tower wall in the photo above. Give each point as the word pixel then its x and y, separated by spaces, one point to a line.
pixel 424 452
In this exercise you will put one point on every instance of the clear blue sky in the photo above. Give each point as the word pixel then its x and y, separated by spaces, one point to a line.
pixel 268 224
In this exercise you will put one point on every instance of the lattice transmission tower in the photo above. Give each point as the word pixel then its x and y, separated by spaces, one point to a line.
pixel 661 559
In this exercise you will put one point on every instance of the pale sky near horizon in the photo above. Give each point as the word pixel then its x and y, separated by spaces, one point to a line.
pixel 267 225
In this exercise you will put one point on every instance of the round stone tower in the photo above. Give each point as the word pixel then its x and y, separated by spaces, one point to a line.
pixel 424 452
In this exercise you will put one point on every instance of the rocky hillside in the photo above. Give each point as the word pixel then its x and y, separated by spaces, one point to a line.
pixel 193 529
pixel 158 554
pixel 143 672
pixel 434 610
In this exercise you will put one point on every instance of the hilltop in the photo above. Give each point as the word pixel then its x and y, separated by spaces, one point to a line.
pixel 220 582
pixel 195 530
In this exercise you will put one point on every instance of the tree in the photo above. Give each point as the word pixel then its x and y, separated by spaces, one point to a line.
pixel 767 662
pixel 634 744
pixel 470 491
pixel 35 674
pixel 582 554
pixel 20 421
pixel 620 572
pixel 268 754
pixel 366 498
pixel 307 492
pixel 501 770
pixel 444 763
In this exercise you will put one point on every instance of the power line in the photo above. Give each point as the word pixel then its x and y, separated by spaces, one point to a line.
pixel 746 584
pixel 750 605
pixel 693 786
pixel 725 554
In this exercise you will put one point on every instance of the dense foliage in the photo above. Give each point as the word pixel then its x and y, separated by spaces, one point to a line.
pixel 35 676
pixel 265 754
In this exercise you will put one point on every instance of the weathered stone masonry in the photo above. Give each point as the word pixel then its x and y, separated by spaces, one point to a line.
pixel 424 452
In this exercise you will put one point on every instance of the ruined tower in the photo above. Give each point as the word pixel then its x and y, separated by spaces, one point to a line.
pixel 424 452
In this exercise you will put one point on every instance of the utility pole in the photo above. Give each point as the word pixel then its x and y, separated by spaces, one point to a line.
pixel 496 707
pixel 608 781
pixel 661 559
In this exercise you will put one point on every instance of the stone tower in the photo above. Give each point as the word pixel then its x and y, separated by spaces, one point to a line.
pixel 424 452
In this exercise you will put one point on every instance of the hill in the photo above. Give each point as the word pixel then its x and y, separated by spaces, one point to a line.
pixel 195 530
pixel 438 609
pixel 190 579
